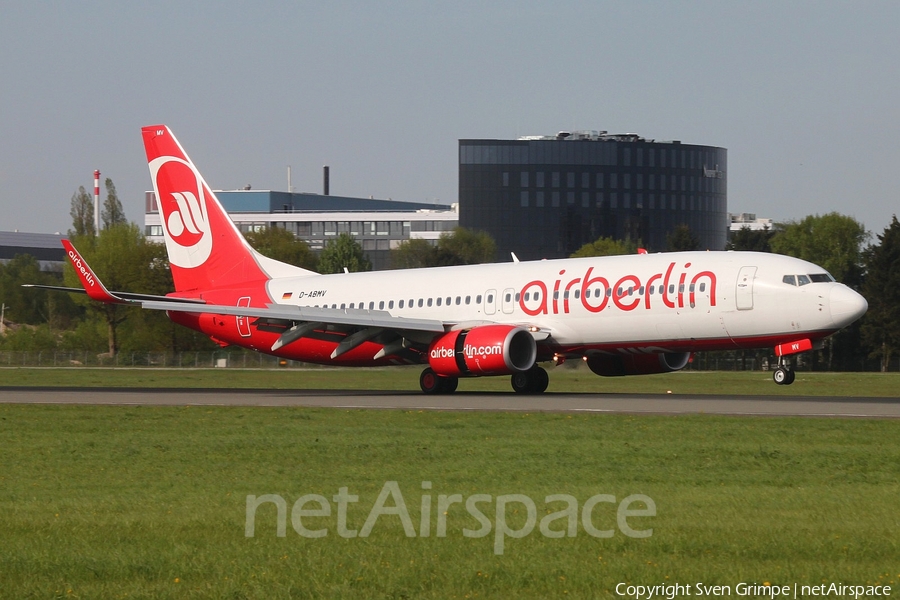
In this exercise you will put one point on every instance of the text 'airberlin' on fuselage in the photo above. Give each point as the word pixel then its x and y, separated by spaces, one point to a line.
pixel 595 292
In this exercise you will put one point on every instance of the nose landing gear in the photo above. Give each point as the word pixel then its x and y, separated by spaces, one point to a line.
pixel 783 375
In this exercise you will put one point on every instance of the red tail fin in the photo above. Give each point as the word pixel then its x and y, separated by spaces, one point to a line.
pixel 206 250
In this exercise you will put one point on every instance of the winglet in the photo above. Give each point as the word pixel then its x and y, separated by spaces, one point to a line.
pixel 91 283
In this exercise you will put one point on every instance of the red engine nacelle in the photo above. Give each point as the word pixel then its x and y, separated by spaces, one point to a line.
pixel 484 350
pixel 637 364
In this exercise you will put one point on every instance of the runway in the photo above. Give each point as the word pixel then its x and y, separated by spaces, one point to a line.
pixel 670 404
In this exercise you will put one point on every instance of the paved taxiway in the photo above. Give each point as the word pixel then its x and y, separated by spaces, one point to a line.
pixel 576 403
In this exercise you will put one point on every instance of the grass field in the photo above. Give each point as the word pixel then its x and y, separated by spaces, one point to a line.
pixel 150 502
pixel 562 379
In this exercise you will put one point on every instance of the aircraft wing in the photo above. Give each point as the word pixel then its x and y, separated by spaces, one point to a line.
pixel 288 312
pixel 94 288
pixel 292 321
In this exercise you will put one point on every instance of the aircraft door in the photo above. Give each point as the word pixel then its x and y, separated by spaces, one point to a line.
pixel 743 294
pixel 490 302
pixel 508 300
pixel 243 323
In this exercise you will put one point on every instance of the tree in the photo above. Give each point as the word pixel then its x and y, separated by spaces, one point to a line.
pixel 461 247
pixel 464 247
pixel 606 246
pixel 833 241
pixel 413 254
pixel 881 326
pixel 122 259
pixel 681 239
pixel 112 213
pixel 282 245
pixel 33 306
pixel 82 212
pixel 753 240
pixel 343 252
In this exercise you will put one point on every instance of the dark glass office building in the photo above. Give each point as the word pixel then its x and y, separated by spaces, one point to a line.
pixel 546 196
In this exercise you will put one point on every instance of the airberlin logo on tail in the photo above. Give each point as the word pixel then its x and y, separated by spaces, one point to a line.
pixel 182 202
pixel 82 269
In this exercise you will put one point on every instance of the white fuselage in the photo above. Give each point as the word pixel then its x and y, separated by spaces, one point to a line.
pixel 672 301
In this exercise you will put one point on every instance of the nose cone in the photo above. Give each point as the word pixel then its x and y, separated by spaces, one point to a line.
pixel 846 305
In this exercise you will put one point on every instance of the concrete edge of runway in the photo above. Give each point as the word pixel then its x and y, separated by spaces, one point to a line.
pixel 582 403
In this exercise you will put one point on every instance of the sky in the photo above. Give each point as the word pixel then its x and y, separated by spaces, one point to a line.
pixel 804 95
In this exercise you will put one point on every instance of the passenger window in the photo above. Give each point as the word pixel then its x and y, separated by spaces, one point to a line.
pixel 343 306
pixel 556 294
pixel 351 305
pixel 641 290
pixel 448 300
pixel 527 296
pixel 517 296
pixel 401 304
pixel 490 298
pixel 381 305
pixel 391 304
pixel 672 288
pixel 608 292
pixel 429 302
pixel 478 299
pixel 371 305
pixel 650 290
pixel 802 279
pixel 507 298
pixel 681 288
pixel 438 302
pixel 468 298
pixel 702 287
pixel 789 279
pixel 420 302
pixel 458 300
pixel 691 288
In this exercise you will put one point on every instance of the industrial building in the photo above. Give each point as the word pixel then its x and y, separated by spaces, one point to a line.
pixel 546 196
pixel 45 247
pixel 378 225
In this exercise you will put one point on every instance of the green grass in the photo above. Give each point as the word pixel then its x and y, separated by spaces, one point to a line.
pixel 149 502
pixel 562 379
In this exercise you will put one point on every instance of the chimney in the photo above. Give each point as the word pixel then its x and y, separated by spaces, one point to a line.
pixel 325 180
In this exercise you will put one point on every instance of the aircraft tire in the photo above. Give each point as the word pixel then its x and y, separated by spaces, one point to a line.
pixel 533 381
pixel 432 383
pixel 780 376
pixel 790 377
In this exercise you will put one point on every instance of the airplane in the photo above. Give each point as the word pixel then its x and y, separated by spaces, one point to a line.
pixel 621 315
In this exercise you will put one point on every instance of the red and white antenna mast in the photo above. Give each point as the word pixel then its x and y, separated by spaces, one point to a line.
pixel 96 202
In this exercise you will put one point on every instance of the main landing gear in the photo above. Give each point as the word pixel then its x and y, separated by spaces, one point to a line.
pixel 533 381
pixel 432 383
pixel 783 374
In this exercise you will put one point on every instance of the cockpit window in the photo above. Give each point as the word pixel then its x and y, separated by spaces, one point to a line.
pixel 806 279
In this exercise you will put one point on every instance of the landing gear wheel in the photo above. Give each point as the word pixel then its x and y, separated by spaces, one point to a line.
pixel 533 381
pixel 780 375
pixel 783 376
pixel 432 383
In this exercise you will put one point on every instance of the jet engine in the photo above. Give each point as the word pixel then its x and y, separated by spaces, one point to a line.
pixel 483 350
pixel 607 365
